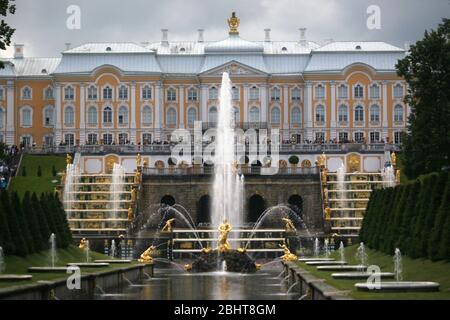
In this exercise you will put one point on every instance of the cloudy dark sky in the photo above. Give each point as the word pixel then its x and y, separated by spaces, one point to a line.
pixel 41 24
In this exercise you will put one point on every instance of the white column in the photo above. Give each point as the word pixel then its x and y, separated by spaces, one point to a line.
pixel 264 104
pixel 82 114
pixel 286 112
pixel 308 110
pixel 158 110
pixel 245 103
pixel 58 114
pixel 204 103
pixel 181 89
pixel 333 110
pixel 10 130
pixel 385 112
pixel 133 113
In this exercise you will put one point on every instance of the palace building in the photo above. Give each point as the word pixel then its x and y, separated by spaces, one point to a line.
pixel 127 93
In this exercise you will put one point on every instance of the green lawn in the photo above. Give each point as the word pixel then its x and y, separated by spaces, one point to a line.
pixel 19 265
pixel 413 270
pixel 31 182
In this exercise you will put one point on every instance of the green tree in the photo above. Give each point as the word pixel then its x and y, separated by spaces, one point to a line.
pixel 394 225
pixel 444 248
pixel 63 219
pixel 20 246
pixel 408 219
pixel 43 223
pixel 6 32
pixel 6 241
pixel 39 171
pixel 33 222
pixel 426 70
pixel 17 204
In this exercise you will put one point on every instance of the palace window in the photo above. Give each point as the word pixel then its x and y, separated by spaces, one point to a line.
pixel 48 116
pixel 171 94
pixel 212 117
pixel 171 117
pixel 320 114
pixel 374 91
pixel 213 93
pixel 275 94
pixel 123 115
pixel 359 113
pixel 235 93
pixel 296 116
pixel 92 138
pixel 343 92
pixel 359 137
pixel 48 93
pixel 295 94
pixel 398 113
pixel 320 136
pixel 146 138
pixel 374 113
pixel 107 138
pixel 92 116
pixel 320 92
pixel 192 94
pixel 343 113
pixel 358 92
pixel 123 92
pixel 254 114
pixel 254 93
pixel 374 137
pixel 92 93
pixel 236 115
pixel 146 116
pixel 398 91
pixel 48 140
pixel 146 92
pixel 107 115
pixel 69 93
pixel 26 140
pixel 192 116
pixel 69 139
pixel 69 116
pixel 398 137
pixel 26 117
pixel 343 136
pixel 123 138
pixel 26 93
pixel 275 115
pixel 107 93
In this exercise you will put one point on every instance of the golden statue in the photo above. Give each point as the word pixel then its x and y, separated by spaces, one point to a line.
pixel 233 23
pixel 146 256
pixel 187 267
pixel 145 163
pixel 137 177
pixel 168 226
pixel 397 176
pixel 133 194
pixel 82 244
pixel 206 250
pixel 327 213
pixel 322 160
pixel 224 229
pixel 289 226
pixel 393 159
pixel 258 266
pixel 138 160
pixel 287 256
pixel 68 159
pixel 130 214
pixel 324 176
pixel 241 250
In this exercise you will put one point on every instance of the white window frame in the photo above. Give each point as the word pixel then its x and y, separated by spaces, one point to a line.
pixel 169 112
pixel 295 108
pixel 323 119
pixel 359 133
pixel 2 117
pixel 316 91
pixel 275 94
pixel 122 93
pixel 69 96
pixel 145 123
pixel 354 92
pixel 46 90
pixel 395 113
pixel 51 124
pixel 354 114
pixel 90 141
pixel 346 113
pixel 171 94
pixel 253 93
pixel 371 115
pixel 90 96
pixel 396 85
pixel 189 114
pixel 123 118
pixel 22 124
pixel 22 93
pixel 108 123
pixel 371 87
pixel 338 88
pixel 213 93
pixel 235 93
pixel 251 114
pixel 275 111
pixel 68 124
pixel 192 94
pixel 110 93
pixel 88 114
pixel 216 110
pixel 145 96
pixel 294 97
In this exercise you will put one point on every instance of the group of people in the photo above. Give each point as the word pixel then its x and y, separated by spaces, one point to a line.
pixel 7 166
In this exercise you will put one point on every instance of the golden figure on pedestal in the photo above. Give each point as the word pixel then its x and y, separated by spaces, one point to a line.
pixel 206 250
pixel 327 213
pixel 322 160
pixel 393 159
pixel 130 214
pixel 133 194
pixel 324 176
pixel 187 267
pixel 233 23
pixel 397 176
pixel 138 160
pixel 289 226
pixel 224 230
pixel 168 226
pixel 137 177
pixel 68 159
pixel 82 244
pixel 146 256
pixel 241 250
pixel 287 256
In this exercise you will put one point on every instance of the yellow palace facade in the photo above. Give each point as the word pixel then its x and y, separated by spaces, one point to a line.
pixel 126 93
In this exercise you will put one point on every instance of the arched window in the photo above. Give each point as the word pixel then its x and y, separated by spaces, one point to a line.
pixel 107 93
pixel 295 94
pixel 254 93
pixel 213 93
pixel 123 92
pixel 254 114
pixel 26 93
pixel 146 92
pixel 107 115
pixel 398 113
pixel 320 92
pixel 92 116
pixel 69 116
pixel 275 115
pixel 359 113
pixel 236 115
pixel 342 91
pixel 212 117
pixel 48 116
pixel 26 117
pixel 123 115
pixel 296 116
pixel 358 92
pixel 374 113
pixel 343 113
pixel 49 93
pixel 2 114
pixel 92 93
pixel 171 94
pixel 171 117
pixel 320 114
pixel 192 94
pixel 235 93
pixel 275 94
pixel 192 116
pixel 69 93
pixel 374 91
pixel 146 115
pixel 398 91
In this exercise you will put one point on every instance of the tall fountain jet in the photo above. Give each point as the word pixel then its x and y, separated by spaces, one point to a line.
pixel 228 184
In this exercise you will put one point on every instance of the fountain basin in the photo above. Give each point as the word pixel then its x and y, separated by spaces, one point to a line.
pixel 48 269
pixel 88 264
pixel 342 268
pixel 417 286
pixel 113 261
pixel 15 277
pixel 326 263
pixel 316 259
pixel 361 275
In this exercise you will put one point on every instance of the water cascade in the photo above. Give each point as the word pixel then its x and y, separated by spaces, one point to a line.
pixel 52 241
pixel 341 251
pixel 2 261
pixel 117 188
pixel 398 268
